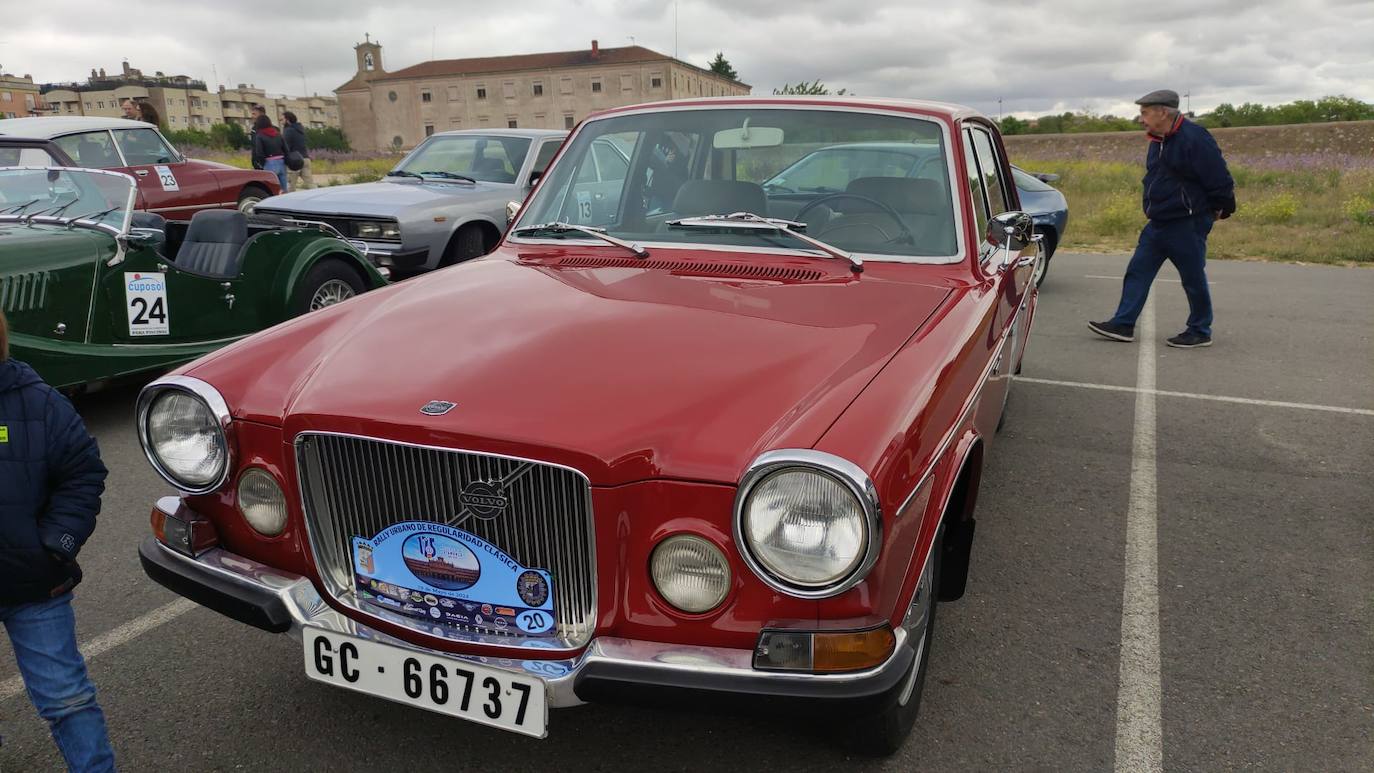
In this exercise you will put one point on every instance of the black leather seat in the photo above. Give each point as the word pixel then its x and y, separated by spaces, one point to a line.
pixel 214 244
pixel 720 197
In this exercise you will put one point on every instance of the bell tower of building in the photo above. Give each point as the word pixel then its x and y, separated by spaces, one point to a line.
pixel 369 54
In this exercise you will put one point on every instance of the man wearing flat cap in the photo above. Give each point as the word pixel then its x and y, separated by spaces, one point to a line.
pixel 1186 188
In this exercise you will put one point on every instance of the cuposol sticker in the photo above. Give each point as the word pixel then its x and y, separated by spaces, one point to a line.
pixel 436 573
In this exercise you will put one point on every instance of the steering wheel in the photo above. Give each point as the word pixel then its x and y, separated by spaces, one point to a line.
pixel 903 235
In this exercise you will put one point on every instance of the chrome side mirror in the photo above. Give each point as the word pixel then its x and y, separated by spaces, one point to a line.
pixel 512 209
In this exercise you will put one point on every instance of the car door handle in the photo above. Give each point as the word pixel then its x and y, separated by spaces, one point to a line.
pixel 141 172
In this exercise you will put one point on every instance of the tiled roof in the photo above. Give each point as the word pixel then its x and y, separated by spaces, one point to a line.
pixel 492 64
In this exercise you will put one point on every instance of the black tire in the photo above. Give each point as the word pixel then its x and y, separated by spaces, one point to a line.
pixel 324 285
pixel 249 198
pixel 882 734
pixel 467 244
pixel 1050 243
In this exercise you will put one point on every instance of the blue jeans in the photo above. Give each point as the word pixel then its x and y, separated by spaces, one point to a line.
pixel 1184 243
pixel 277 166
pixel 44 638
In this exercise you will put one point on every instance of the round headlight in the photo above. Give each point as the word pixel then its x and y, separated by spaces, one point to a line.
pixel 805 528
pixel 690 573
pixel 186 440
pixel 262 502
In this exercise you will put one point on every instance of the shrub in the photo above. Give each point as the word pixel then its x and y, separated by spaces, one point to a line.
pixel 328 138
pixel 1121 214
pixel 1274 209
pixel 1360 209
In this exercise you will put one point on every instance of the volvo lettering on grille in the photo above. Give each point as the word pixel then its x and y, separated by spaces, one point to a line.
pixel 437 407
pixel 484 500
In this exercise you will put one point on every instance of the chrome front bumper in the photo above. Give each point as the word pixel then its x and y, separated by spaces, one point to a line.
pixel 286 603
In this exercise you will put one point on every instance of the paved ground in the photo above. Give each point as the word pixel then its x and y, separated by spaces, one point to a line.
pixel 1265 581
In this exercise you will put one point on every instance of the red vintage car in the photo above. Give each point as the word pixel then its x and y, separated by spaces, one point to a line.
pixel 169 184
pixel 680 435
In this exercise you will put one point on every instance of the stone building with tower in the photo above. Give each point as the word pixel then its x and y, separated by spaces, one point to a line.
pixel 382 110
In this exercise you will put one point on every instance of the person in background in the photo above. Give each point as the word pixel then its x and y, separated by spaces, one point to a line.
pixel 294 134
pixel 148 114
pixel 1187 188
pixel 130 109
pixel 254 113
pixel 51 481
pixel 269 149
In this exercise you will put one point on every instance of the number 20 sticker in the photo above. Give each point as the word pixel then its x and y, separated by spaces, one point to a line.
pixel 145 298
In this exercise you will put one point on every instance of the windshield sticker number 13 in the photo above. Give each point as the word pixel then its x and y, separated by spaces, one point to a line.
pixel 145 297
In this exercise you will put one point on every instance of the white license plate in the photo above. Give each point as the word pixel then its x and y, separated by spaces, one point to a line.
pixel 486 695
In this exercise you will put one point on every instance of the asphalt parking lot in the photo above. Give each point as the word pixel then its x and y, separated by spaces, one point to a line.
pixel 1247 500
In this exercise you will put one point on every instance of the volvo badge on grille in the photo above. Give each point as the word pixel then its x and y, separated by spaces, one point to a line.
pixel 437 407
pixel 484 500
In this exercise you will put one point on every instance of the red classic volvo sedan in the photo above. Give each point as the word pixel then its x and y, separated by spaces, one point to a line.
pixel 683 433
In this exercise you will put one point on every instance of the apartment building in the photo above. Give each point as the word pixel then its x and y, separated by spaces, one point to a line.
pixel 380 109
pixel 20 97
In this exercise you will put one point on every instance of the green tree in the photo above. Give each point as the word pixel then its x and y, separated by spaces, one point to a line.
pixel 328 138
pixel 814 88
pixel 229 135
pixel 1013 125
pixel 721 66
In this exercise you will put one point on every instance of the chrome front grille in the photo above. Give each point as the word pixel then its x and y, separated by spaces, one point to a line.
pixel 355 486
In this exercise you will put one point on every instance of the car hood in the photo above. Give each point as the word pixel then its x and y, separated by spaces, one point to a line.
pixel 624 373
pixel 38 247
pixel 377 198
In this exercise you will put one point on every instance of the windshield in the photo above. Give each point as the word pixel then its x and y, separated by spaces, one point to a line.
pixel 861 182
pixel 475 156
pixel 85 197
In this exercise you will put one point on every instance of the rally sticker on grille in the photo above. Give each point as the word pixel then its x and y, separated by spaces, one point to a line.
pixel 440 574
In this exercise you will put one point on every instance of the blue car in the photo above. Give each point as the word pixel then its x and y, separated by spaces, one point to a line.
pixel 1047 207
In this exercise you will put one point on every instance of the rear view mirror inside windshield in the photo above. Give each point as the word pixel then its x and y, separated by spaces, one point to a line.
pixel 747 137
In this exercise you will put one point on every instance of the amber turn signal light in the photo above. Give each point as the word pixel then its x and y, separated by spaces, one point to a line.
pixel 852 650
pixel 190 536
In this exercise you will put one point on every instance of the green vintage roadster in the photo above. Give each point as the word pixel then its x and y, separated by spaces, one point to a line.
pixel 95 291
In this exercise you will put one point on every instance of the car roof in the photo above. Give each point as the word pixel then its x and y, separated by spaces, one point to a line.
pixel 947 110
pixel 527 133
pixel 56 126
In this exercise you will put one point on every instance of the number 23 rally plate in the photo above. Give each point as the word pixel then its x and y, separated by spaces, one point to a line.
pixel 489 696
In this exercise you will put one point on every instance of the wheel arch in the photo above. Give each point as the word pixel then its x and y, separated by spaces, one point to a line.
pixel 960 502
pixel 491 236
pixel 297 266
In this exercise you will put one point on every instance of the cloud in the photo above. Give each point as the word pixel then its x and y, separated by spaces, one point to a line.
pixel 1035 56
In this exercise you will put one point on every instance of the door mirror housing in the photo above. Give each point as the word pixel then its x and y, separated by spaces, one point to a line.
pixel 144 238
pixel 1011 231
pixel 512 209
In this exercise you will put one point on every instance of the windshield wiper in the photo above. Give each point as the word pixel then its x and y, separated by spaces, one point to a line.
pixel 752 222
pixel 403 173
pixel 557 227
pixel 92 216
pixel 54 212
pixel 449 176
pixel 19 208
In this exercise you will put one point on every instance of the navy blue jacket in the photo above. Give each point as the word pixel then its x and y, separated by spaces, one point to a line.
pixel 51 479
pixel 1186 176
pixel 294 134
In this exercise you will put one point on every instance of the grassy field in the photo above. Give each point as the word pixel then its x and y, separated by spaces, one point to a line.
pixel 1304 193
pixel 348 167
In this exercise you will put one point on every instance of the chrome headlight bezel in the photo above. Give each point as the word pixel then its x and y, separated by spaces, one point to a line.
pixel 839 470
pixel 219 410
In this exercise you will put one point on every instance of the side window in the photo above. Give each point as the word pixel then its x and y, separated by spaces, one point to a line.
pixel 597 191
pixel 94 150
pixel 614 166
pixel 546 152
pixel 991 168
pixel 975 188
pixel 143 146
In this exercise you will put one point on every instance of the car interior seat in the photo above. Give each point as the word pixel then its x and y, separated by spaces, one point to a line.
pixel 214 244
pixel 720 197
pixel 490 166
pixel 923 204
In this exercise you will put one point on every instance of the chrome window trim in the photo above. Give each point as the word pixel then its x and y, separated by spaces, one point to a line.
pixel 478 640
pixel 961 249
pixel 213 400
pixel 838 468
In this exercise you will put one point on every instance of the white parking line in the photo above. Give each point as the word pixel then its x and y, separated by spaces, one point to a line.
pixel 1196 396
pixel 111 639
pixel 1139 741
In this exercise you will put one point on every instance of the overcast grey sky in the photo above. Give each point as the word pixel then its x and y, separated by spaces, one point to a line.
pixel 1037 56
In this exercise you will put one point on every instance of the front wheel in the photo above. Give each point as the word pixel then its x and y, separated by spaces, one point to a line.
pixel 881 735
pixel 327 283
pixel 1042 264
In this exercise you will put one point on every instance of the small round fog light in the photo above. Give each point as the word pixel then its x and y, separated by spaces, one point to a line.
pixel 262 502
pixel 690 573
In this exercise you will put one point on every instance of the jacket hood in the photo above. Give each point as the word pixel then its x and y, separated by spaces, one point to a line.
pixel 622 372
pixel 270 131
pixel 16 375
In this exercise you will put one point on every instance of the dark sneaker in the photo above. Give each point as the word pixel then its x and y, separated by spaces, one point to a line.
pixel 1189 340
pixel 1115 332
